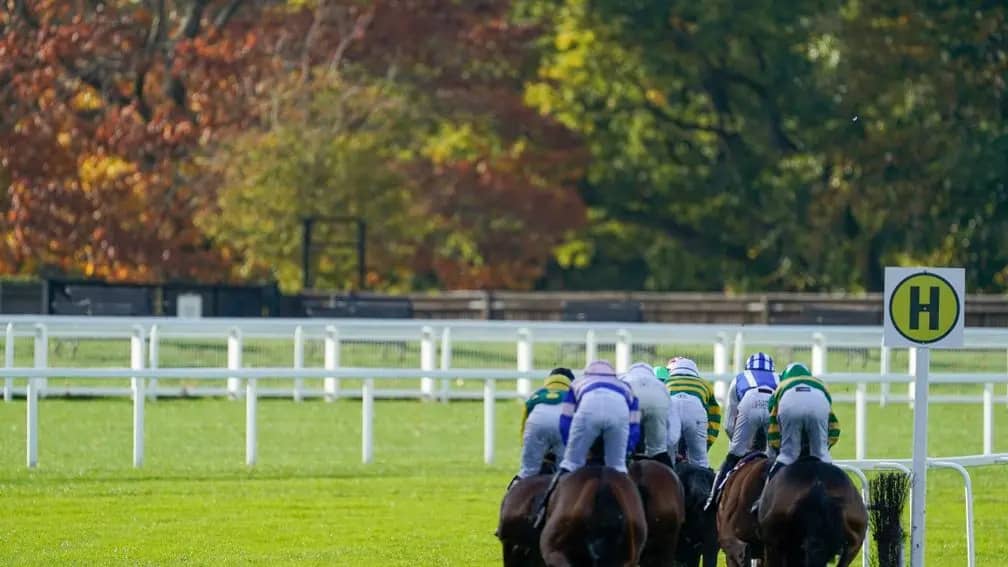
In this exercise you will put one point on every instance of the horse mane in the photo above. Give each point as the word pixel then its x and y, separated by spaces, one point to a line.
pixel 817 516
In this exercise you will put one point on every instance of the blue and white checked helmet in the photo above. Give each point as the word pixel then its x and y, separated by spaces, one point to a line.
pixel 760 361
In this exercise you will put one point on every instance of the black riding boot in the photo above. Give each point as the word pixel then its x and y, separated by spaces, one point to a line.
pixel 729 462
pixel 664 459
pixel 540 516
pixel 774 468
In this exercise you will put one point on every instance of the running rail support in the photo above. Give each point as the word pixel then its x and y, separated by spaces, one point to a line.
pixel 865 545
pixel 968 484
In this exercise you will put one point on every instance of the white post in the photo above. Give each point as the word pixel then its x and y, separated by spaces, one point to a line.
pixel 41 361
pixel 234 361
pixel 624 346
pixel 591 347
pixel 8 393
pixel 489 419
pixel 818 354
pixel 446 355
pixel 988 419
pixel 367 421
pixel 331 362
pixel 721 366
pixel 739 354
pixel 251 434
pixel 137 340
pixel 524 386
pixel 884 367
pixel 918 493
pixel 153 358
pixel 912 363
pixel 860 421
pixel 428 351
pixel 298 362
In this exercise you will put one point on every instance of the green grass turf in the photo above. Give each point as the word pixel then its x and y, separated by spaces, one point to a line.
pixel 426 500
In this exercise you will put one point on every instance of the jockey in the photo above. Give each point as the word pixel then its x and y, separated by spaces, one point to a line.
pixel 540 423
pixel 598 404
pixel 694 413
pixel 801 407
pixel 748 395
pixel 654 409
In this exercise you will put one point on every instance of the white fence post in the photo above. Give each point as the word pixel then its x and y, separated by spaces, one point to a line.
pixel 331 349
pixel 988 419
pixel 524 385
pixel 624 346
pixel 884 368
pixel 489 419
pixel 153 358
pixel 234 361
pixel 251 432
pixel 818 354
pixel 137 340
pixel 739 354
pixel 860 421
pixel 8 392
pixel 720 365
pixel 298 362
pixel 591 347
pixel 41 361
pixel 428 351
pixel 367 421
pixel 446 356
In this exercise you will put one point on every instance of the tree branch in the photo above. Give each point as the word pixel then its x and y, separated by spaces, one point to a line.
pixel 226 13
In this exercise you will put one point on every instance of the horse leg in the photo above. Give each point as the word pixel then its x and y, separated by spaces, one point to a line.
pixel 735 552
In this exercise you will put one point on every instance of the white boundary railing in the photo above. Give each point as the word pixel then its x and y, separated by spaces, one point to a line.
pixel 145 370
pixel 430 334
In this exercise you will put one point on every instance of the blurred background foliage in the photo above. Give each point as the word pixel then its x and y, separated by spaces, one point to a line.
pixel 507 144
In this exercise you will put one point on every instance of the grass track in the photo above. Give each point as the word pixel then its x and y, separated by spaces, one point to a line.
pixel 427 500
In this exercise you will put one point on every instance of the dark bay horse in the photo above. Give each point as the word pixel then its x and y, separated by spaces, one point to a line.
pixel 737 527
pixel 595 518
pixel 811 513
pixel 519 539
pixel 698 536
pixel 664 509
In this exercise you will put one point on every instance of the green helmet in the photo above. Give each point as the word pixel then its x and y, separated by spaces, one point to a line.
pixel 795 369
pixel 661 372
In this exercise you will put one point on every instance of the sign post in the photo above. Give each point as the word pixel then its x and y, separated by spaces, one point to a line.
pixel 924 308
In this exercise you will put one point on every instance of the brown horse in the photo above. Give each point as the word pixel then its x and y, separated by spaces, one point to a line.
pixel 811 513
pixel 737 527
pixel 664 509
pixel 595 517
pixel 519 539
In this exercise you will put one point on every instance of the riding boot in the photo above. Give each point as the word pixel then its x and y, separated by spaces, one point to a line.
pixel 665 459
pixel 540 516
pixel 512 483
pixel 769 475
pixel 729 462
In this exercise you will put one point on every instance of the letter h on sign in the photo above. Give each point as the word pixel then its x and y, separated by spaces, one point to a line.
pixel 931 307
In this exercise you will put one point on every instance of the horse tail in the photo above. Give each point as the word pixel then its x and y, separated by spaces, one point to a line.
pixel 606 536
pixel 820 517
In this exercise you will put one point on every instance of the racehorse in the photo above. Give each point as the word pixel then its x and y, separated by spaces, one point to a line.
pixel 737 527
pixel 698 536
pixel 664 509
pixel 811 513
pixel 519 539
pixel 595 517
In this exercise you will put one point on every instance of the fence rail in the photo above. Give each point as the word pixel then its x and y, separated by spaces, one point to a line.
pixel 434 354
